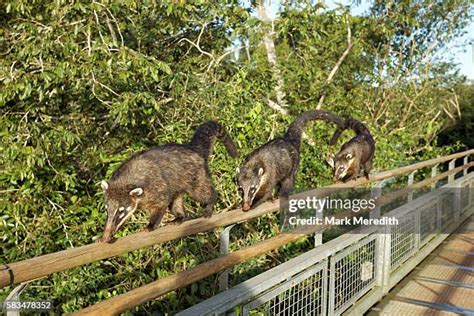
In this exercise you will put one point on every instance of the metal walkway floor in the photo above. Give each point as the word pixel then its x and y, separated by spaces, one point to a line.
pixel 443 284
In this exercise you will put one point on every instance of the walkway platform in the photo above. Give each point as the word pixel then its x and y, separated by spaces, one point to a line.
pixel 443 284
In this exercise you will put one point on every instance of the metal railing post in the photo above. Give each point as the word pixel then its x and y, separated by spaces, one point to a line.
pixel 15 296
pixel 434 171
pixel 439 211
pixel 452 164
pixel 318 236
pixel 457 201
pixel 375 193
pixel 411 178
pixel 383 259
pixel 418 224
pixel 465 162
pixel 224 249
pixel 380 255
pixel 386 262
pixel 384 239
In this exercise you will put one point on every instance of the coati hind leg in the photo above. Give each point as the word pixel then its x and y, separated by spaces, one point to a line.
pixel 286 186
pixel 177 209
pixel 367 166
pixel 204 193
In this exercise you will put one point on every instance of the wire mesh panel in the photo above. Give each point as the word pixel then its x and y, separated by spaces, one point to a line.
pixel 428 220
pixel 465 196
pixel 304 294
pixel 352 274
pixel 447 208
pixel 403 239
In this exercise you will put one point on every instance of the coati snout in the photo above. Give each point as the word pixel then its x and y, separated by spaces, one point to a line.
pixel 250 181
pixel 120 204
pixel 341 164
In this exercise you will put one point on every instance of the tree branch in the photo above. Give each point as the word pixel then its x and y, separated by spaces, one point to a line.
pixel 275 106
pixel 337 65
pixel 198 47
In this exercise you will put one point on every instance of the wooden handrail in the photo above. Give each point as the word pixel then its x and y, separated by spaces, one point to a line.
pixel 42 266
pixel 123 302
pixel 419 185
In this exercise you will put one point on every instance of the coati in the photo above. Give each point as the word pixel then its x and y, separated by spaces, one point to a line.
pixel 275 164
pixel 355 155
pixel 156 180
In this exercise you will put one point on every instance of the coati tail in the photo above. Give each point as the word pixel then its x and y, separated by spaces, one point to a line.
pixel 349 123
pixel 204 136
pixel 336 136
pixel 356 126
pixel 296 128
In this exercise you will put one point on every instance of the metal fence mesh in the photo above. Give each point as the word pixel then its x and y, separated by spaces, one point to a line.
pixel 304 297
pixel 447 208
pixel 403 242
pixel 428 221
pixel 352 274
pixel 465 193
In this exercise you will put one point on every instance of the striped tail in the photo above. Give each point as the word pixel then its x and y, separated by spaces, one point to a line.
pixel 297 127
pixel 205 135
pixel 349 123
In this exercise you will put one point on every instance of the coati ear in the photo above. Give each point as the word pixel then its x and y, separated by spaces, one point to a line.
pixel 136 192
pixel 104 185
pixel 349 156
pixel 260 171
pixel 330 161
pixel 237 170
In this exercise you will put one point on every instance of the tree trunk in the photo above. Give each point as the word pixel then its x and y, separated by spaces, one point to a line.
pixel 280 105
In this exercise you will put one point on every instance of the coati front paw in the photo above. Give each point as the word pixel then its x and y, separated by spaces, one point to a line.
pixel 148 229
pixel 176 221
pixel 103 240
pixel 352 178
pixel 207 214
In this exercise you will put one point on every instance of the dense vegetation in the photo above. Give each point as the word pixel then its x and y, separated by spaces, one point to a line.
pixel 84 85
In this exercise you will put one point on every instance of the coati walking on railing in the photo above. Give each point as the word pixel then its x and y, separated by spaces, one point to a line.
pixel 275 164
pixel 156 179
pixel 355 155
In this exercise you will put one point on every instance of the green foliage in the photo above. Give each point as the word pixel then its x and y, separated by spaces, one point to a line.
pixel 84 85
pixel 459 128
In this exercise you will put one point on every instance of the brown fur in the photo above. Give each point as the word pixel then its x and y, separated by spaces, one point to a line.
pixel 165 174
pixel 275 164
pixel 355 155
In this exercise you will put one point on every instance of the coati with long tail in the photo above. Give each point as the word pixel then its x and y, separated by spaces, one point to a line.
pixel 275 164
pixel 156 180
pixel 355 155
